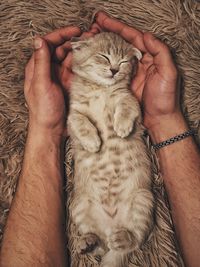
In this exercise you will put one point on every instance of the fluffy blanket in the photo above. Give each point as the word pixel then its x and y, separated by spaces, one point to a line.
pixel 176 22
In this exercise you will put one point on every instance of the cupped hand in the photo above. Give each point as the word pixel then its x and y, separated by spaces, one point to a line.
pixel 155 84
pixel 47 79
pixel 159 77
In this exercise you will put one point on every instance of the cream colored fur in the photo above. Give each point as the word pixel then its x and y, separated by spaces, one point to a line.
pixel 112 200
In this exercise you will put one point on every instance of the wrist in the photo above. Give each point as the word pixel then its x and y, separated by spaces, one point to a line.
pixel 43 136
pixel 167 126
pixel 43 145
pixel 44 152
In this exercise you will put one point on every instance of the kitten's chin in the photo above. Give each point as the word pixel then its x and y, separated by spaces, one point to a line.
pixel 102 80
pixel 106 81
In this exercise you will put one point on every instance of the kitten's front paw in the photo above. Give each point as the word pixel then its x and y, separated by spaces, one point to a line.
pixel 123 126
pixel 123 240
pixel 92 144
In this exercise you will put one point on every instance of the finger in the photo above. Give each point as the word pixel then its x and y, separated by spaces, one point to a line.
pixel 67 62
pixel 87 35
pixel 67 82
pixel 64 72
pixel 64 76
pixel 130 34
pixel 138 82
pixel 93 30
pixel 95 27
pixel 59 36
pixel 29 71
pixel 67 73
pixel 61 51
pixel 42 60
pixel 161 53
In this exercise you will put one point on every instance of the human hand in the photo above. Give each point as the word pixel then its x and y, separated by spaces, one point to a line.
pixel 47 78
pixel 155 84
pixel 157 77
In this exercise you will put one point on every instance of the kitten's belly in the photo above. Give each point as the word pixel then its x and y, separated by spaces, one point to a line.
pixel 113 175
pixel 110 176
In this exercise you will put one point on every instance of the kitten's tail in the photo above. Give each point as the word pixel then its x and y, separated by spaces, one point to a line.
pixel 114 259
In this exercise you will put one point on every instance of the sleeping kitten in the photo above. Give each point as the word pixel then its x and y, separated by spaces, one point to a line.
pixel 112 201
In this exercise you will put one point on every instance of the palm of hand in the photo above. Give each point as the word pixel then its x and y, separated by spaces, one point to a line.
pixel 44 95
pixel 151 87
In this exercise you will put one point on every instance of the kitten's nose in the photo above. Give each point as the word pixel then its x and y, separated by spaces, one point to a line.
pixel 114 71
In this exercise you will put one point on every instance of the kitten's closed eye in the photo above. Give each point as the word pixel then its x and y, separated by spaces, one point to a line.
pixel 125 61
pixel 105 57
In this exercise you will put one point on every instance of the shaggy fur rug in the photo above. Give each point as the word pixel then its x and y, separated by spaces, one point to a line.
pixel 176 22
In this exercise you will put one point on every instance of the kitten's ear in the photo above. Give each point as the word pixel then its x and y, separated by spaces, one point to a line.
pixel 78 43
pixel 137 53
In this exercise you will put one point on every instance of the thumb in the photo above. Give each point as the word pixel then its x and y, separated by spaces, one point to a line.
pixel 42 60
pixel 161 54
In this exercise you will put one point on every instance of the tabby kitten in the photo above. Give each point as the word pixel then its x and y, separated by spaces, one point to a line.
pixel 112 201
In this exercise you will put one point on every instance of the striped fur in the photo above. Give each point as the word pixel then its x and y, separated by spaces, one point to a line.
pixel 112 201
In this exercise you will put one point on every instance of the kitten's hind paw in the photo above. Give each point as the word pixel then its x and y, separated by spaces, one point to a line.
pixel 88 243
pixel 122 240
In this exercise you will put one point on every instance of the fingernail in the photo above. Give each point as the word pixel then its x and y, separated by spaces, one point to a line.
pixel 37 43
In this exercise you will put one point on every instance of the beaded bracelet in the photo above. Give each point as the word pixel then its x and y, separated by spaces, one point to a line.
pixel 173 139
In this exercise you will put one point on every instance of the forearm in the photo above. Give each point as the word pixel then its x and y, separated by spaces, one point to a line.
pixel 34 232
pixel 180 168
